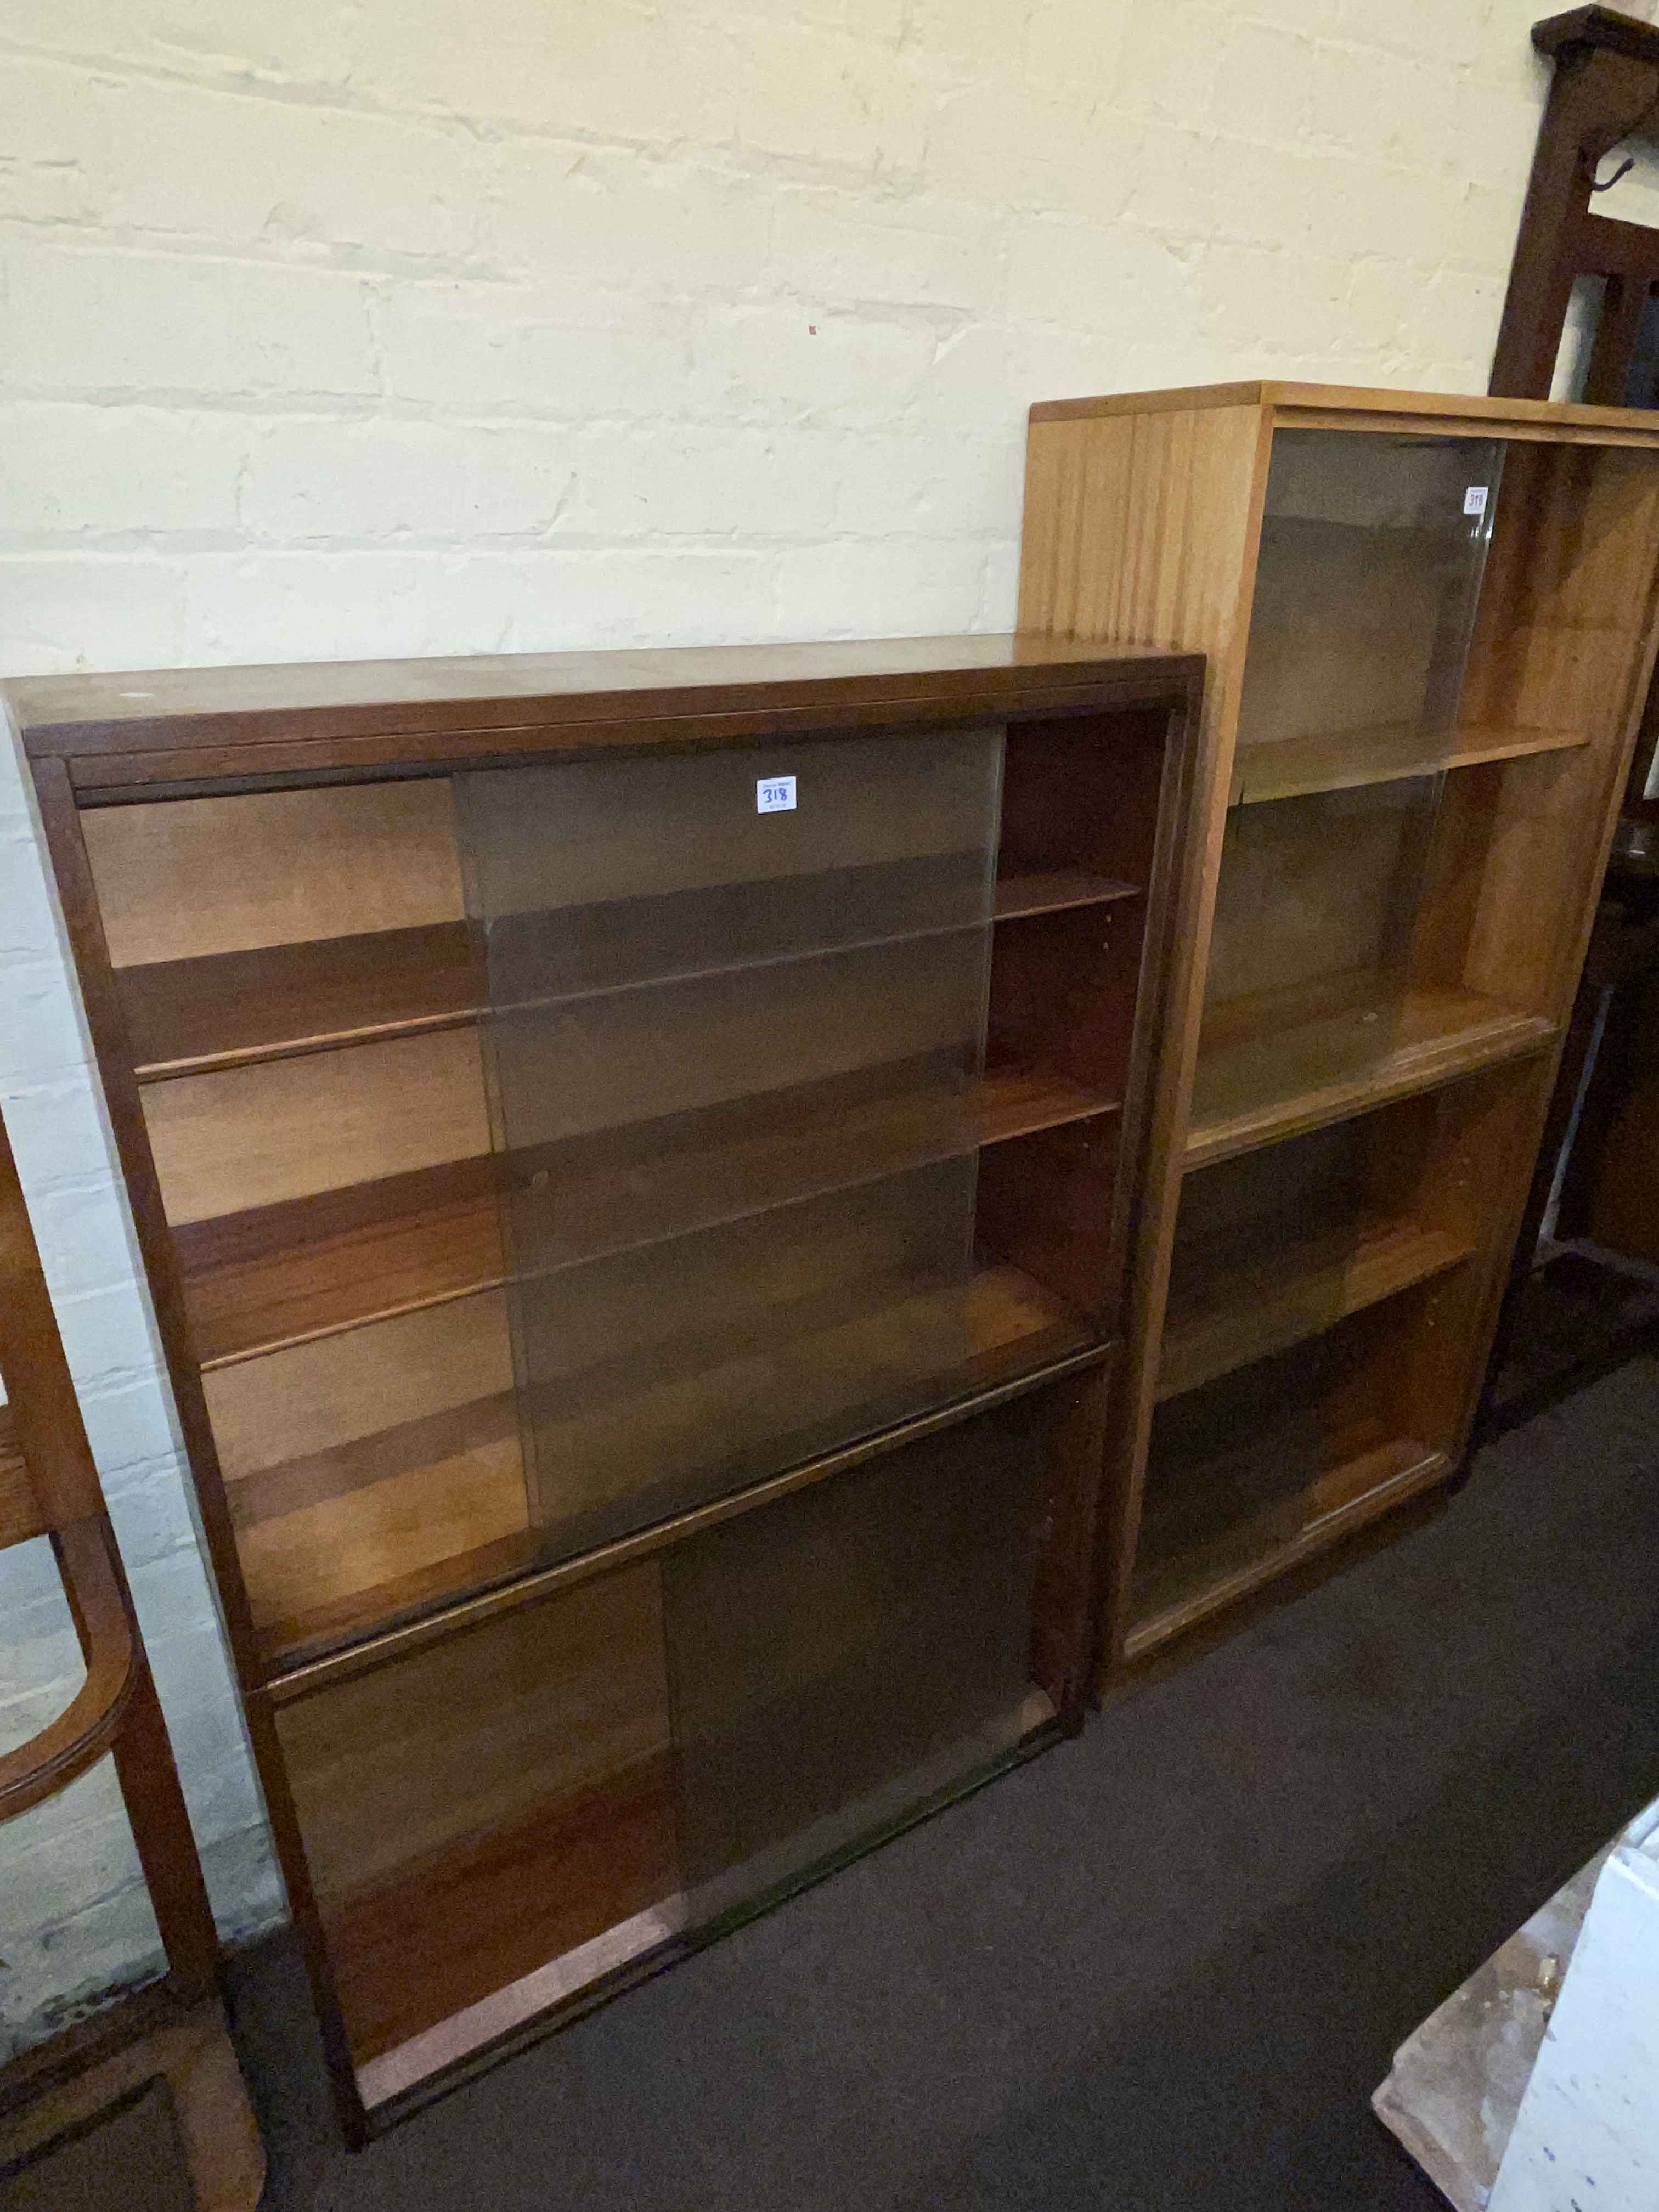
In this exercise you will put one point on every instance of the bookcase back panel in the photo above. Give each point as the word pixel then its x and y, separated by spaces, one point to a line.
pixel 1062 991
pixel 1047 1204
pixel 319 1396
pixel 1318 889
pixel 1082 792
pixel 1246 1211
pixel 186 879
pixel 248 1137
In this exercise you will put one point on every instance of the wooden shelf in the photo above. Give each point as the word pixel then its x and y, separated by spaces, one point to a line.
pixel 233 1009
pixel 1299 767
pixel 662 1179
pixel 1053 891
pixel 1292 1061
pixel 188 1017
pixel 289 1640
pixel 1175 1591
pixel 1015 1102
pixel 1012 1327
pixel 1249 1312
pixel 281 1274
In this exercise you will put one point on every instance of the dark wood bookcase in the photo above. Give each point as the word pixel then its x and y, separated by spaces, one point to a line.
pixel 640 1261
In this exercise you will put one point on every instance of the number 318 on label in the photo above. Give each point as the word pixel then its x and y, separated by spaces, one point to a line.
pixel 775 794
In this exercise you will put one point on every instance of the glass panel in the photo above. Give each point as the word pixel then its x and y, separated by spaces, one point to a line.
pixel 1242 1466
pixel 732 1055
pixel 660 1377
pixel 1372 552
pixel 489 1823
pixel 840 1655
pixel 1276 1245
pixel 592 875
pixel 1250 1209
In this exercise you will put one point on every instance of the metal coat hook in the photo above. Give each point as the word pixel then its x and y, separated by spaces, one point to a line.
pixel 1622 170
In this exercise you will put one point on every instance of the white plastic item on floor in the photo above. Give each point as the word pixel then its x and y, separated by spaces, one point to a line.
pixel 1586 2138
pixel 1458 2082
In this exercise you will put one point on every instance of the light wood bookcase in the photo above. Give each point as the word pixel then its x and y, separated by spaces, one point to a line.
pixel 1430 624
pixel 642 1270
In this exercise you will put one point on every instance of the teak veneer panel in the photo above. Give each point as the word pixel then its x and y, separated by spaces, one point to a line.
pixel 1360 406
pixel 185 879
pixel 258 1136
pixel 124 733
pixel 311 1397
pixel 1183 484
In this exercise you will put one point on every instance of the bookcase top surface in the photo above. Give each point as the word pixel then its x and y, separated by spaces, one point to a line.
pixel 1623 425
pixel 124 729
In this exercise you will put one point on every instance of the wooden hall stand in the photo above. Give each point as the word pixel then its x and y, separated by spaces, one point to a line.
pixel 637 1158
pixel 1596 1165
pixel 172 2032
pixel 1430 624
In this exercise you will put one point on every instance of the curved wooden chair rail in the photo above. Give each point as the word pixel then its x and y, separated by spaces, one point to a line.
pixel 49 1487
pixel 88 1725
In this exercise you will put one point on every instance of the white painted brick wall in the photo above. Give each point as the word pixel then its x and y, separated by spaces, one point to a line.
pixel 408 328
